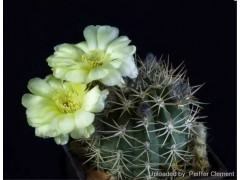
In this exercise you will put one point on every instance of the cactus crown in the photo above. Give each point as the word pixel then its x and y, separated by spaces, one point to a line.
pixel 148 125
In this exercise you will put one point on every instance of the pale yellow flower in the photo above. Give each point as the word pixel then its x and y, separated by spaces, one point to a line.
pixel 103 56
pixel 58 109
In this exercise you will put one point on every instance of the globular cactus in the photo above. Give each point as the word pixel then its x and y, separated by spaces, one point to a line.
pixel 149 125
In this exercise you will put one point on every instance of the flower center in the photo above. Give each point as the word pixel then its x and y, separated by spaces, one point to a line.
pixel 67 101
pixel 95 58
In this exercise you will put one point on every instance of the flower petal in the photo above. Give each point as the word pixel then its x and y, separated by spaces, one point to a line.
pixel 120 42
pixel 113 64
pixel 79 133
pixel 59 72
pixel 99 106
pixel 112 79
pixel 105 35
pixel 90 34
pixel 90 129
pixel 62 139
pixel 123 52
pixel 53 82
pixel 97 73
pixel 38 116
pixel 94 100
pixel 128 67
pixel 47 130
pixel 91 98
pixel 30 100
pixel 82 132
pixel 59 61
pixel 68 51
pixel 134 73
pixel 65 123
pixel 83 118
pixel 40 87
pixel 83 46
pixel 77 87
pixel 77 76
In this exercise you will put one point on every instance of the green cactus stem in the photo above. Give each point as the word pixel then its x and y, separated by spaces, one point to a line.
pixel 149 125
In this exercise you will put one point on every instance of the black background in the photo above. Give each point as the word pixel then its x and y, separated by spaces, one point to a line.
pixel 202 33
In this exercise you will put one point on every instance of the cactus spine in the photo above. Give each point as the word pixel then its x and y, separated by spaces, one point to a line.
pixel 149 125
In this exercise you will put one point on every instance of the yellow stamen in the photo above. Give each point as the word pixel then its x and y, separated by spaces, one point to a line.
pixel 67 101
pixel 95 58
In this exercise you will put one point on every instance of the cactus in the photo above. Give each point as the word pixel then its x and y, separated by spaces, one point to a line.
pixel 148 125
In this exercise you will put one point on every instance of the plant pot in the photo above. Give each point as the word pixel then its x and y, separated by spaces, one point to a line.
pixel 75 171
